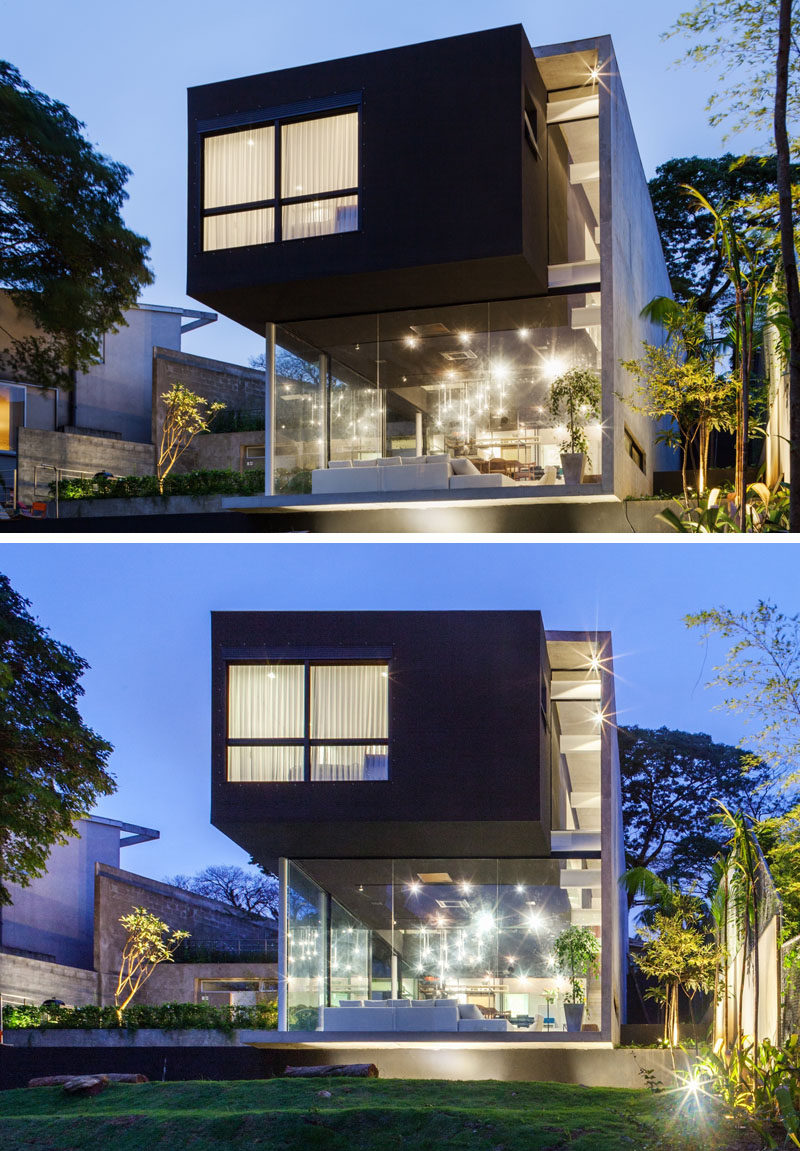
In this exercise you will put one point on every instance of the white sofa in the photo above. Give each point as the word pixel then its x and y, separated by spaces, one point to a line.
pixel 402 474
pixel 408 1015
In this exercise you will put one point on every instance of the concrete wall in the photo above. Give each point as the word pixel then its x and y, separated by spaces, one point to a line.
pixel 24 980
pixel 118 892
pixel 116 394
pixel 54 915
pixel 76 453
pixel 239 388
pixel 180 982
pixel 633 273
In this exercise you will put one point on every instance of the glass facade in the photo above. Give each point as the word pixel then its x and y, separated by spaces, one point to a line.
pixel 318 194
pixel 466 381
pixel 480 931
pixel 289 721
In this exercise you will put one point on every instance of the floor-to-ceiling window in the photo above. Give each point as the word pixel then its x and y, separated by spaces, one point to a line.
pixel 481 931
pixel 468 381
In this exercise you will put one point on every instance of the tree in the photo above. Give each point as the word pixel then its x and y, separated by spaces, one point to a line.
pixel 577 951
pixel 750 278
pixel 679 956
pixel 145 947
pixel 779 839
pixel 678 381
pixel 755 44
pixel 252 891
pixel 760 676
pixel 186 415
pixel 66 257
pixel 575 396
pixel 52 766
pixel 747 185
pixel 671 781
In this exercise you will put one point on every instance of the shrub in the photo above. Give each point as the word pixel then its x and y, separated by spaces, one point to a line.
pixel 165 1016
pixel 200 483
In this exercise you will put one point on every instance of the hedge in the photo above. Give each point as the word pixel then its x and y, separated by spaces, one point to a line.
pixel 165 1016
pixel 225 482
pixel 202 483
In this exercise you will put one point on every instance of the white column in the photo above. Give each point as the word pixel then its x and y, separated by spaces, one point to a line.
pixel 270 391
pixel 418 433
pixel 283 944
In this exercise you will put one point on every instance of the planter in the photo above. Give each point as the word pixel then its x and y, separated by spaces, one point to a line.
pixel 119 1037
pixel 573 1013
pixel 573 465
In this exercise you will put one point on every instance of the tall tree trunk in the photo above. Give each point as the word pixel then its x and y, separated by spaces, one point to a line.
pixel 788 255
pixel 742 410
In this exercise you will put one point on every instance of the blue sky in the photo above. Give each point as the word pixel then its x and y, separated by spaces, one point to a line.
pixel 124 68
pixel 139 613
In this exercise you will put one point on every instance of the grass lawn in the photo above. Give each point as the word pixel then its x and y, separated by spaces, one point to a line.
pixel 359 1115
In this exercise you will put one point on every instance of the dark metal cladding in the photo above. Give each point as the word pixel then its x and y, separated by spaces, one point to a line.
pixel 452 200
pixel 468 738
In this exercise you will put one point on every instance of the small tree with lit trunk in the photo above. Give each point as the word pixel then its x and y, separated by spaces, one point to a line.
pixel 185 416
pixel 145 947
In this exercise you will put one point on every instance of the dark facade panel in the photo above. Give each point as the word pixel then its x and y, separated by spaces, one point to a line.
pixel 468 738
pixel 452 198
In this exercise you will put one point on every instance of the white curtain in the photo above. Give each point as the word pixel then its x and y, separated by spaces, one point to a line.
pixel 320 217
pixel 319 155
pixel 236 229
pixel 349 701
pixel 265 764
pixel 265 701
pixel 349 763
pixel 239 167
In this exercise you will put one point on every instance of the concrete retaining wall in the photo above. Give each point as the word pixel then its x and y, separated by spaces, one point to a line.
pixel 140 506
pixel 78 454
pixel 100 1037
pixel 171 1064
pixel 631 517
pixel 34 980
pixel 601 1067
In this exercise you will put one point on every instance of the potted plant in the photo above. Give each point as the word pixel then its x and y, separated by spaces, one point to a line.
pixel 575 398
pixel 549 995
pixel 576 950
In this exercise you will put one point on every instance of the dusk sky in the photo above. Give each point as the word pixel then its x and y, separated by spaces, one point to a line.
pixel 124 71
pixel 139 613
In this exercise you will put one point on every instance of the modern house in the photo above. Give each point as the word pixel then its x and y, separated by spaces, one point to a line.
pixel 429 237
pixel 439 794
pixel 61 936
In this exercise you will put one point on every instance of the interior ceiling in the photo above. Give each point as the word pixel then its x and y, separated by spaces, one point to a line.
pixel 363 886
pixel 522 336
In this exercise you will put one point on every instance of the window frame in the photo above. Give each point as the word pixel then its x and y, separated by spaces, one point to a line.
pixel 306 741
pixel 277 120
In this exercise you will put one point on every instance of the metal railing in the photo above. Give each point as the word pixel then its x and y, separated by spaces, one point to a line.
pixel 227 951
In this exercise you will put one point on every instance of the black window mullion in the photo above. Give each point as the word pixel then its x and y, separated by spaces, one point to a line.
pixel 307 722
pixel 278 222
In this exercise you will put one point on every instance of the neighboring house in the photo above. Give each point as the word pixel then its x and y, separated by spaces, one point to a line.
pixel 114 419
pixel 61 937
pixel 439 793
pixel 435 233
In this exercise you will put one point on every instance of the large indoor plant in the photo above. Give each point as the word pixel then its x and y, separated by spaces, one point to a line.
pixel 576 951
pixel 575 398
